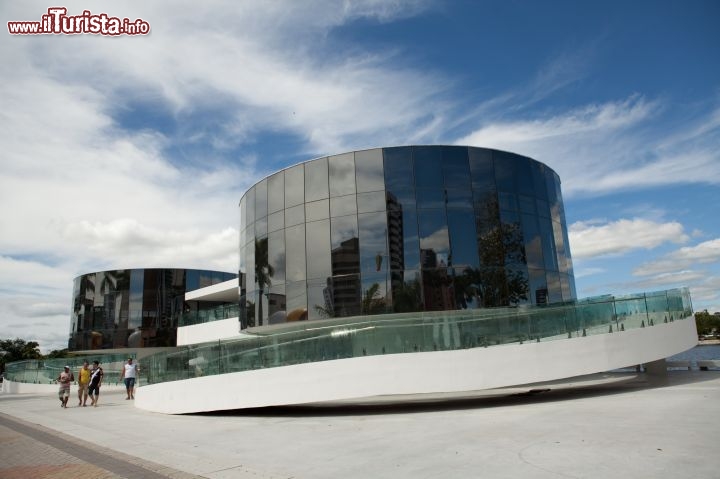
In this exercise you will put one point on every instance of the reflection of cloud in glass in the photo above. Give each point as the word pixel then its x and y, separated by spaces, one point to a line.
pixel 436 241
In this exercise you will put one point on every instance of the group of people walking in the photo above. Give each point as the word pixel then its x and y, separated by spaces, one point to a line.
pixel 90 380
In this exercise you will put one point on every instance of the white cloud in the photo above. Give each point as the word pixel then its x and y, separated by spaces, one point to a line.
pixel 591 239
pixel 704 253
pixel 613 146
pixel 85 186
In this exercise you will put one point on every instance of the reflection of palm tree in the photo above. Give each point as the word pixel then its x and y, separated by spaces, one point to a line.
pixel 406 296
pixel 325 311
pixel 263 272
pixel 371 302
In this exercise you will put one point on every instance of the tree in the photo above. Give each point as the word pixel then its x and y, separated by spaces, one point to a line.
pixel 707 323
pixel 17 349
pixel 58 353
pixel 264 271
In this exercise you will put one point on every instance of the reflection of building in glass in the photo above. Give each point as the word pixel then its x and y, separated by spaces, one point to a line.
pixel 133 307
pixel 403 229
pixel 344 285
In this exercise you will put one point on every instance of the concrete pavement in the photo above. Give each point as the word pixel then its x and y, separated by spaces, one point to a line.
pixel 614 425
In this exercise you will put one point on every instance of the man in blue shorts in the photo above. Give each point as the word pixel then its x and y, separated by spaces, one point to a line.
pixel 129 374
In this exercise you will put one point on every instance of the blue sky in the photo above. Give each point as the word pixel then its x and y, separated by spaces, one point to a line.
pixel 134 151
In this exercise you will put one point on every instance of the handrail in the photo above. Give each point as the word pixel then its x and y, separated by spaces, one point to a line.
pixel 342 338
pixel 46 371
pixel 217 313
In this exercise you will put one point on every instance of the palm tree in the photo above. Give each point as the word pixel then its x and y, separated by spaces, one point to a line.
pixel 263 273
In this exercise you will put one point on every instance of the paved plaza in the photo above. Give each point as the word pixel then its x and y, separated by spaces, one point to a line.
pixel 606 426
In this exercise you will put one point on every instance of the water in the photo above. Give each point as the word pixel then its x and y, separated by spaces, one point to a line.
pixel 700 352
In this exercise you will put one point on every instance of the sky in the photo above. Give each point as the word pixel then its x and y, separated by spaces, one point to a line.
pixel 133 151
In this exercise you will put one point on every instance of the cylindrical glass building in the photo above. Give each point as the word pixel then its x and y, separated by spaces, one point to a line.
pixel 133 308
pixel 402 229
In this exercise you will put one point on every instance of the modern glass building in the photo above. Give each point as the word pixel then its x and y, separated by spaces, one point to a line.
pixel 402 229
pixel 133 308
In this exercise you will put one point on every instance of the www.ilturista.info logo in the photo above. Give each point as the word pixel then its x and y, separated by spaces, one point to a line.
pixel 58 22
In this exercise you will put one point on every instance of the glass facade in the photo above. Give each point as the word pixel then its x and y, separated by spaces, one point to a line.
pixel 402 229
pixel 131 308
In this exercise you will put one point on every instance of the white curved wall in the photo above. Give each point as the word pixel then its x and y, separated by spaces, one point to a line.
pixel 419 373
pixel 211 331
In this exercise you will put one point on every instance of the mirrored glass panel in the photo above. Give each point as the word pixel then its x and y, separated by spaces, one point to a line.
pixel 295 253
pixel 261 199
pixel 505 171
pixel 482 171
pixel 318 250
pixel 276 221
pixel 524 175
pixel 375 293
pixel 548 244
pixel 463 239
pixel 527 204
pixel 543 208
pixel 243 215
pixel 550 182
pixel 317 210
pixel 438 289
pixel 263 270
pixel 342 174
pixel 428 167
pixel 343 205
pixel 345 294
pixel 431 198
pixel 533 243
pixel 320 304
pixel 294 185
pixel 276 257
pixel 369 170
pixel 538 289
pixel 296 300
pixel 554 286
pixel 456 167
pixel 277 305
pixel 468 288
pixel 373 241
pixel 518 287
pixel 434 240
pixel 400 199
pixel 276 192
pixel 345 246
pixel 261 227
pixel 406 291
pixel 295 215
pixel 512 239
pixel 398 168
pixel 316 180
pixel 250 271
pixel 250 206
pixel 508 201
pixel 459 198
pixel 538 177
pixel 370 202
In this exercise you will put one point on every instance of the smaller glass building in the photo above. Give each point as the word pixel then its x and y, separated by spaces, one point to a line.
pixel 402 229
pixel 133 308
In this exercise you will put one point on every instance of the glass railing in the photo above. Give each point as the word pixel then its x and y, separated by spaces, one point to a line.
pixel 46 371
pixel 340 338
pixel 225 311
